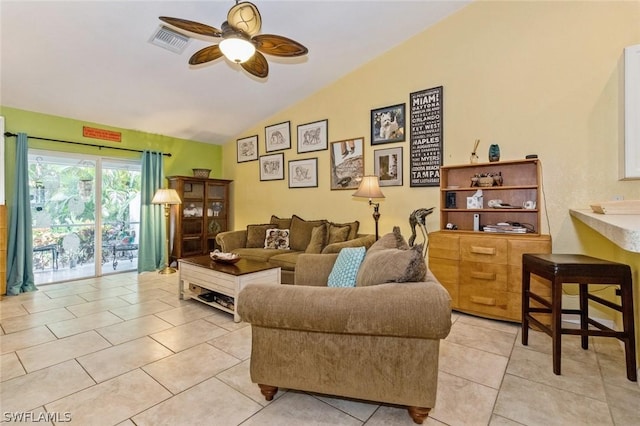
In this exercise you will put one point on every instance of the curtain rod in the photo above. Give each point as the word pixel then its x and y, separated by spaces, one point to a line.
pixel 9 134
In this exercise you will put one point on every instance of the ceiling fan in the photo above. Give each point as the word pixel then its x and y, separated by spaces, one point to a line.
pixel 240 42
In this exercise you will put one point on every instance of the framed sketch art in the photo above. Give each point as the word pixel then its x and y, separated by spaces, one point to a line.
pixel 312 136
pixel 272 167
pixel 303 173
pixel 247 149
pixel 278 136
pixel 388 124
pixel 347 163
pixel 387 165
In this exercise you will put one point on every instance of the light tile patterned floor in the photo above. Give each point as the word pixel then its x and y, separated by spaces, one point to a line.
pixel 123 350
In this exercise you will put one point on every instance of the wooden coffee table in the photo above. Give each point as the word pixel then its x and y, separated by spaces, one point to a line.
pixel 222 278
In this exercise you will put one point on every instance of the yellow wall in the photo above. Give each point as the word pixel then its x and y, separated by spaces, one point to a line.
pixel 534 77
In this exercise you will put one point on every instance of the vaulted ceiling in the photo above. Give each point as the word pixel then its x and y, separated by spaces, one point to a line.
pixel 92 60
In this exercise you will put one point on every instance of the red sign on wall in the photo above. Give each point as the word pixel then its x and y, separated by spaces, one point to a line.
pixel 107 135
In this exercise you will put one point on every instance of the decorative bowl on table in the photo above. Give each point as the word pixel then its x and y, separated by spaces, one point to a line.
pixel 218 256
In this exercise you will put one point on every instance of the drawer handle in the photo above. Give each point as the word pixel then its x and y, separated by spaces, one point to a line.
pixel 483 250
pixel 490 276
pixel 489 301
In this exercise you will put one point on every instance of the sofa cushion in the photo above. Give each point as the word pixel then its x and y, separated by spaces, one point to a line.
pixel 300 235
pixel 259 254
pixel 276 238
pixel 345 270
pixel 353 228
pixel 282 223
pixel 255 235
pixel 392 265
pixel 318 238
pixel 286 261
pixel 337 233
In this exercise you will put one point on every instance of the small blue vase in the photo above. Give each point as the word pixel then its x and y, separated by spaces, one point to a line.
pixel 494 152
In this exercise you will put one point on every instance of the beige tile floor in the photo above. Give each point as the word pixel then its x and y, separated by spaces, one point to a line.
pixel 123 350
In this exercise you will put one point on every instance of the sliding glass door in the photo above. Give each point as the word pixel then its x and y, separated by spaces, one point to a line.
pixel 85 214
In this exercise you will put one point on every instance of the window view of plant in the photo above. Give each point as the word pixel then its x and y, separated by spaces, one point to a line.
pixel 65 220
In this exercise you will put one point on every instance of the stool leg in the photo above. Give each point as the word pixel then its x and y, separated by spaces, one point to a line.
pixel 556 323
pixel 584 313
pixel 626 294
pixel 526 285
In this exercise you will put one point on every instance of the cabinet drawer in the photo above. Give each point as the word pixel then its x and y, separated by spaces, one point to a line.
pixel 483 276
pixel 492 303
pixel 493 250
pixel 517 247
pixel 447 272
pixel 444 246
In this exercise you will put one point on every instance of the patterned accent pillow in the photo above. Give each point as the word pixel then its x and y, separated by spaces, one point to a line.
pixel 345 270
pixel 276 238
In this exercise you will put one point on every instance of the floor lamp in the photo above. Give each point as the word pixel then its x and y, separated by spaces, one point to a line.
pixel 167 197
pixel 370 188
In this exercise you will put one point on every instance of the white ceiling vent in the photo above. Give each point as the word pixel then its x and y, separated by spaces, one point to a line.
pixel 169 39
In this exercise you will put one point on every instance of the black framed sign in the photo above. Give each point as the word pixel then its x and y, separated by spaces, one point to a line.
pixel 425 137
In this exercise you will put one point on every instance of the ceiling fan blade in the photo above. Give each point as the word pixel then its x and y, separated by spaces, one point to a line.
pixel 278 45
pixel 257 65
pixel 245 17
pixel 207 54
pixel 191 26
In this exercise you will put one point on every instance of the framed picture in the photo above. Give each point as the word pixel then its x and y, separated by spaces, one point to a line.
pixel 387 165
pixel 303 173
pixel 347 163
pixel 387 124
pixel 247 149
pixel 278 136
pixel 312 136
pixel 272 167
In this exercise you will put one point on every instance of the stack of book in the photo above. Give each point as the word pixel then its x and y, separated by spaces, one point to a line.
pixel 509 229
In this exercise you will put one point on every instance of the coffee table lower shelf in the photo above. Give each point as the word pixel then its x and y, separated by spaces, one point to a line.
pixel 228 280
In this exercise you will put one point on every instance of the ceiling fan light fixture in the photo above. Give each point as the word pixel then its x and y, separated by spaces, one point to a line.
pixel 237 49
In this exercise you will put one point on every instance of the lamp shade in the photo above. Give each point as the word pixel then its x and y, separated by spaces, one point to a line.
pixel 369 188
pixel 166 196
pixel 237 49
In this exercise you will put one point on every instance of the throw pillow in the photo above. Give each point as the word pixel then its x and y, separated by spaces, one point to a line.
pixel 391 240
pixel 280 222
pixel 255 235
pixel 353 228
pixel 337 233
pixel 276 238
pixel 392 265
pixel 345 270
pixel 318 237
pixel 301 232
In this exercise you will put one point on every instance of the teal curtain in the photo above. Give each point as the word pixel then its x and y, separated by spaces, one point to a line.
pixel 20 243
pixel 152 226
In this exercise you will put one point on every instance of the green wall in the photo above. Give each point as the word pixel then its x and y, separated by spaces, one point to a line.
pixel 185 154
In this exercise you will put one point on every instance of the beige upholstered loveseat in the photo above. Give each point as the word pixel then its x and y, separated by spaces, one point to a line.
pixel 304 236
pixel 377 342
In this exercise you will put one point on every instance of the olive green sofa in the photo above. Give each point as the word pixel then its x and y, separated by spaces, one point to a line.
pixel 305 236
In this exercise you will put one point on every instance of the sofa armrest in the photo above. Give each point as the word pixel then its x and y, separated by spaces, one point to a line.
pixel 314 269
pixel 365 241
pixel 419 310
pixel 231 240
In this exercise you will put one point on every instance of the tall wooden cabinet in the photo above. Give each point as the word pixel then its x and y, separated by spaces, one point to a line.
pixel 203 214
pixel 483 270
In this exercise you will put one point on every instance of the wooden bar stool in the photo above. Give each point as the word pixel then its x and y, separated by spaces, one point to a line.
pixel 581 270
